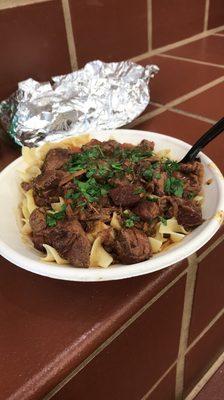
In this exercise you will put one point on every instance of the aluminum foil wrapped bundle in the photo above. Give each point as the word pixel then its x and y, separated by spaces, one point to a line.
pixel 98 96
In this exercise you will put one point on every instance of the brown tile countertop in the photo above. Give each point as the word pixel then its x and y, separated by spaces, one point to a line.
pixel 125 339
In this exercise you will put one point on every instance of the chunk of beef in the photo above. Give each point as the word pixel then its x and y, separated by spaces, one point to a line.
pixel 38 225
pixel 47 187
pixel 71 242
pixel 94 213
pixel 132 246
pixel 168 206
pixel 107 239
pixel 189 214
pixel 47 180
pixel 55 159
pixel 127 146
pixel 45 198
pixel 92 143
pixel 124 195
pixel 146 145
pixel 26 186
pixel 146 210
pixel 38 220
pixel 159 184
pixel 150 187
pixel 118 181
pixel 194 167
pixel 191 175
pixel 38 240
pixel 109 146
pixel 191 182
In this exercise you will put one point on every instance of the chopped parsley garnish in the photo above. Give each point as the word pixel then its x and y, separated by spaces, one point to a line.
pixel 130 219
pixel 71 195
pixel 163 220
pixel 153 199
pixel 155 165
pixel 171 166
pixel 174 186
pixel 52 218
pixel 91 189
pixel 191 195
pixel 157 175
pixel 75 168
pixel 91 172
pixel 116 166
pixel 136 154
pixel 84 159
pixel 103 171
pixel 82 204
pixel 129 170
pixel 139 190
pixel 148 174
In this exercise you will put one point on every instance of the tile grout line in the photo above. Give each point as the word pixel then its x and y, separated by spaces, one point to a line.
pixel 174 45
pixel 69 34
pixel 207 4
pixel 207 376
pixel 191 60
pixel 185 325
pixel 178 100
pixel 219 34
pixel 5 4
pixel 205 330
pixel 156 384
pixel 205 253
pixel 191 115
pixel 195 92
pixel 149 24
pixel 107 342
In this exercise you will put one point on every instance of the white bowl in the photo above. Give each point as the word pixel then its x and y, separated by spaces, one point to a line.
pixel 13 248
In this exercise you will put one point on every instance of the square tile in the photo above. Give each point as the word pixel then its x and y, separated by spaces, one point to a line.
pixel 209 49
pixel 32 46
pixel 135 360
pixel 58 324
pixel 207 104
pixel 209 294
pixel 177 77
pixel 185 128
pixel 201 357
pixel 167 28
pixel 216 13
pixel 109 30
pixel 214 388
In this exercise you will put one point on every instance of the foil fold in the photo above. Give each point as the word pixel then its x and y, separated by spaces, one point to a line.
pixel 99 96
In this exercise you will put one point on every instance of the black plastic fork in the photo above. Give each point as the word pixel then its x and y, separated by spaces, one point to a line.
pixel 211 134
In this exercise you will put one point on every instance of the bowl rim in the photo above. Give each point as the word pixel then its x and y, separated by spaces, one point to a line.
pixel 156 263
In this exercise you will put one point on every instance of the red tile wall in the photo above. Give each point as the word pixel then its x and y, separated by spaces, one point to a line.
pixel 34 42
pixel 201 357
pixel 216 13
pixel 131 364
pixel 110 30
pixel 31 45
pixel 175 20
pixel 209 293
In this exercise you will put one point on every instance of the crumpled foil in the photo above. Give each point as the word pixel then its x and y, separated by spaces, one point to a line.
pixel 98 96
